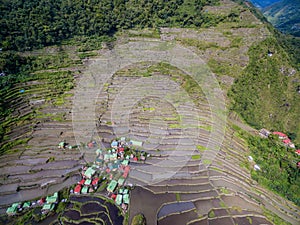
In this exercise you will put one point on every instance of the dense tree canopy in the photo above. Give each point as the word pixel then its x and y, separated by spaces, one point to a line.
pixel 36 23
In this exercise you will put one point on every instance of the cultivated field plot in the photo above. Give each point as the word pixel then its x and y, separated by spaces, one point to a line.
pixel 91 210
pixel 164 94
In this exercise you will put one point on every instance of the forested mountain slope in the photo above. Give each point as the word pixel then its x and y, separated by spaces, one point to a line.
pixel 263 3
pixel 30 24
pixel 284 15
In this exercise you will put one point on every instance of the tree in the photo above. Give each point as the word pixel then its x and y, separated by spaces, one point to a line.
pixel 139 219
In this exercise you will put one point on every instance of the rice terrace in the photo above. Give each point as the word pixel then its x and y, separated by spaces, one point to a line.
pixel 146 128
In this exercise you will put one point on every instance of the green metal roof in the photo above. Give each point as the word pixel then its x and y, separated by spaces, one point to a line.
pixel 136 143
pixel 113 156
pixel 12 209
pixel 51 199
pixel 121 181
pixel 125 191
pixel 112 186
pixel 106 156
pixel 125 162
pixel 119 199
pixel 98 151
pixel 88 182
pixel 84 190
pixel 16 204
pixel 26 204
pixel 48 206
pixel 89 172
pixel 126 198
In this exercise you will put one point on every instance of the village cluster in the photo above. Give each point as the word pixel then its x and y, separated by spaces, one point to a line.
pixel 109 171
pixel 264 133
pixel 48 204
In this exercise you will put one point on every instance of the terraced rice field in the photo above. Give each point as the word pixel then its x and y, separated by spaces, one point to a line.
pixel 148 90
pixel 133 101
pixel 91 210
pixel 38 168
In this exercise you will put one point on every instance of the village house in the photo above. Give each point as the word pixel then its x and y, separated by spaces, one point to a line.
pixel 89 173
pixel 112 186
pixel 51 201
pixel 13 209
pixel 264 133
pixel 280 135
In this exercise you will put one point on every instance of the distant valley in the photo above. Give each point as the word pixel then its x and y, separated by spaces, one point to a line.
pixel 284 14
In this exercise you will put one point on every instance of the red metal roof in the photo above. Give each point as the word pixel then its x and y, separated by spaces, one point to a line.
pixel 95 181
pixel 90 145
pixel 125 174
pixel 280 134
pixel 113 196
pixel 77 189
pixel 81 182
pixel 126 169
pixel 297 151
pixel 121 149
pixel 286 141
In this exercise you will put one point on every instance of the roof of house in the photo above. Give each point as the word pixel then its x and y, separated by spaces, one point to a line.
pixel 26 204
pixel 88 182
pixel 126 198
pixel 112 186
pixel 52 199
pixel 297 151
pixel 121 149
pixel 119 199
pixel 90 145
pixel 99 160
pixel 77 189
pixel 84 190
pixel 121 181
pixel 81 182
pixel 286 141
pixel 113 156
pixel 48 206
pixel 13 208
pixel 125 162
pixel 89 172
pixel 136 143
pixel 95 181
pixel 280 134
pixel 114 143
pixel 106 156
pixel 98 151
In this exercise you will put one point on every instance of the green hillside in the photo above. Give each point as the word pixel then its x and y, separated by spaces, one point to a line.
pixel 27 25
pixel 267 92
pixel 284 15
